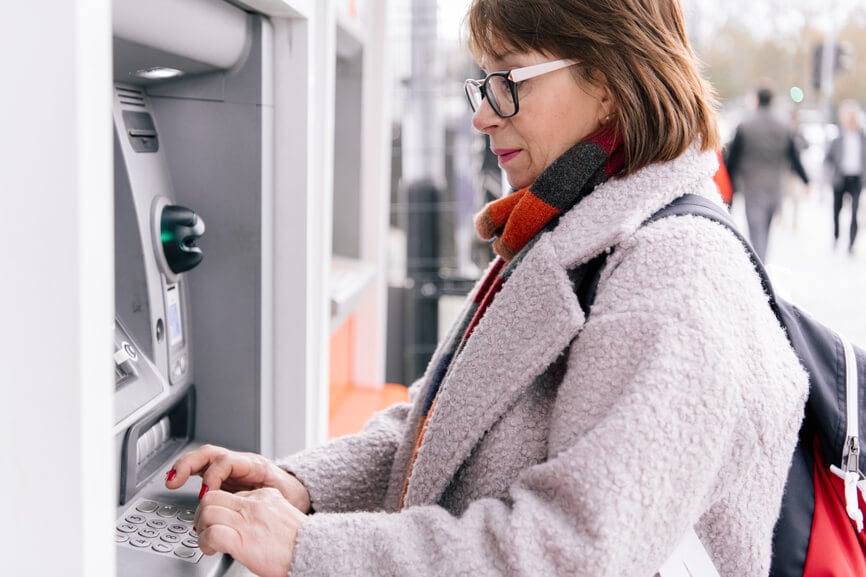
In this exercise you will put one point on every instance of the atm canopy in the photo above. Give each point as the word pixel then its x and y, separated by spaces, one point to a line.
pixel 193 36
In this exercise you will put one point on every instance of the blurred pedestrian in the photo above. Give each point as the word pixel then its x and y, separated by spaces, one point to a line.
pixel 759 158
pixel 846 161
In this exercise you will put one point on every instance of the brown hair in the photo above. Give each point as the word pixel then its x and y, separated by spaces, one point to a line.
pixel 662 102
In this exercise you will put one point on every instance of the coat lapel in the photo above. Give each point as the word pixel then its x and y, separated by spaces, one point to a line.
pixel 530 322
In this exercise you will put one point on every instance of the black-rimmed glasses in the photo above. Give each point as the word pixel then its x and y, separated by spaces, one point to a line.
pixel 500 88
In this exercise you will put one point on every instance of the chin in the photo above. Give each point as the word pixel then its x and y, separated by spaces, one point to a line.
pixel 519 179
pixel 517 183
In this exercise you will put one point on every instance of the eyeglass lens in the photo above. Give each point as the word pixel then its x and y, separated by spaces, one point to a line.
pixel 498 91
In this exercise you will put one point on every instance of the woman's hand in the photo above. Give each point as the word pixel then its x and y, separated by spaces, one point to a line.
pixel 232 471
pixel 257 528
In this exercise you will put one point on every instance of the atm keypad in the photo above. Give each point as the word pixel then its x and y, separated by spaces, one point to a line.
pixel 162 528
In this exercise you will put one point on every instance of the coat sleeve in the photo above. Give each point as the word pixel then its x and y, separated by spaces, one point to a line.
pixel 796 163
pixel 351 473
pixel 733 154
pixel 624 481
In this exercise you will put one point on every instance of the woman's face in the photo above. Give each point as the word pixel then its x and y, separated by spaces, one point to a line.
pixel 556 111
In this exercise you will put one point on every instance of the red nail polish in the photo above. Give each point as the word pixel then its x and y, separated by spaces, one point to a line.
pixel 170 475
pixel 203 491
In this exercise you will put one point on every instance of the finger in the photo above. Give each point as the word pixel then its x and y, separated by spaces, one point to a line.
pixel 234 471
pixel 219 523
pixel 213 503
pixel 191 463
pixel 218 508
pixel 212 499
pixel 229 469
pixel 216 466
pixel 220 539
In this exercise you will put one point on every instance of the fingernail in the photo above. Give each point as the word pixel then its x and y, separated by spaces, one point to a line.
pixel 170 475
pixel 203 491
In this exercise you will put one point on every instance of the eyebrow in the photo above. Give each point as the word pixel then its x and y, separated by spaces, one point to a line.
pixel 502 56
pixel 505 67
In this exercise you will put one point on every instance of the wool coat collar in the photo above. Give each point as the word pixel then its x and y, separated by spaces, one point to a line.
pixel 533 320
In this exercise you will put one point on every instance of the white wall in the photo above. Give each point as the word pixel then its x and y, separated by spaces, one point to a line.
pixel 56 288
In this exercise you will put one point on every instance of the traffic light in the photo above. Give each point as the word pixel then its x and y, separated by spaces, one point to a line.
pixel 817 63
pixel 842 61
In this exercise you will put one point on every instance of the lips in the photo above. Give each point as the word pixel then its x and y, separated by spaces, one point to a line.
pixel 506 154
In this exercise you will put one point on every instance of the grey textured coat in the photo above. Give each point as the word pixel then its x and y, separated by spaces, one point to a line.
pixel 569 446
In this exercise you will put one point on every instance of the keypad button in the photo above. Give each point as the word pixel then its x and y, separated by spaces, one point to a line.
pixel 135 519
pixel 123 538
pixel 187 515
pixel 139 542
pixel 147 506
pixel 178 528
pixel 185 552
pixel 171 538
pixel 157 523
pixel 162 547
pixel 127 528
pixel 190 542
pixel 167 511
pixel 148 533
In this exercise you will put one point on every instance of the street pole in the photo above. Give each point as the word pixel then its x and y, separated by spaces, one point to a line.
pixel 828 62
pixel 423 132
pixel 422 185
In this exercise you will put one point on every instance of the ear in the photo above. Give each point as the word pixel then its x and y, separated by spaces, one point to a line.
pixel 603 94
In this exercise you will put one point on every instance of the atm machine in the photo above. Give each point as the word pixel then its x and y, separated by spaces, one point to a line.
pixel 155 401
pixel 189 110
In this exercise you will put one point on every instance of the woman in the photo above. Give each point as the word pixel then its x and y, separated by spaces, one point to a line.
pixel 541 440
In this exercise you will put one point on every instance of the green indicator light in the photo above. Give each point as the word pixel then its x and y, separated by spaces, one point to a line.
pixel 797 94
pixel 166 236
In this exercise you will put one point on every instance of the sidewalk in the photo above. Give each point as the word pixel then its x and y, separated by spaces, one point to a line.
pixel 828 283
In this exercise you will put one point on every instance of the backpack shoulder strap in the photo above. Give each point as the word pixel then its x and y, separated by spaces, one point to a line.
pixel 586 276
pixel 585 279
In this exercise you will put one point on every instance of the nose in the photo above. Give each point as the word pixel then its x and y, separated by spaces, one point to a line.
pixel 484 119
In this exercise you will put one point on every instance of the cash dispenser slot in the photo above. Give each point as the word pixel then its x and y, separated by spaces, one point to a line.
pixel 150 444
